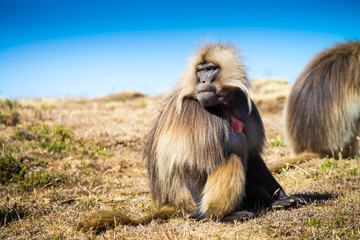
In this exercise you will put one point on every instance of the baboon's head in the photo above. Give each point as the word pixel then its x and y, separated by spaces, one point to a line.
pixel 213 75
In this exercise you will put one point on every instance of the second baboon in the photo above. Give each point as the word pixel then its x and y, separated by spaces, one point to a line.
pixel 322 113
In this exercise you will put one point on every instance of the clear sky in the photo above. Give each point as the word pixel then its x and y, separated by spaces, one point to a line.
pixel 85 48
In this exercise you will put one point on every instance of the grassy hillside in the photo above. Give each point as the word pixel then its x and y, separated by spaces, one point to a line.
pixel 63 159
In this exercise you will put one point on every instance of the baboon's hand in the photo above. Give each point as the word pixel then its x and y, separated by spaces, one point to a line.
pixel 287 202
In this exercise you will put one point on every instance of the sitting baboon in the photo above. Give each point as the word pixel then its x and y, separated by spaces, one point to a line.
pixel 203 153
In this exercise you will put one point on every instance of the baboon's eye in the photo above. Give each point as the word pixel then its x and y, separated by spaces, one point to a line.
pixel 206 67
pixel 200 69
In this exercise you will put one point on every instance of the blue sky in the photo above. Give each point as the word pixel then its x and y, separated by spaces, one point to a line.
pixel 63 48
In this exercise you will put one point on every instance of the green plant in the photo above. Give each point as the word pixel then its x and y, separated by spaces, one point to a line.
pixel 313 222
pixel 275 142
pixel 10 168
pixel 54 139
pixel 147 209
pixel 329 164
pixel 353 171
pixel 58 140
pixel 35 179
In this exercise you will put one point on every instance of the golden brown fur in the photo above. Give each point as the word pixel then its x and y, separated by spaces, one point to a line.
pixel 323 110
pixel 226 182
pixel 106 219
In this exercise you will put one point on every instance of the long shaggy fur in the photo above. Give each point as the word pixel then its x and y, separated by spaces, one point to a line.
pixel 194 140
pixel 323 109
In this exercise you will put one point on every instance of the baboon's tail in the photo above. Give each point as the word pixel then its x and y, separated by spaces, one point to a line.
pixel 305 156
pixel 108 219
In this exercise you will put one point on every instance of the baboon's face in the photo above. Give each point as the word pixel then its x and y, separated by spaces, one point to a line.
pixel 206 90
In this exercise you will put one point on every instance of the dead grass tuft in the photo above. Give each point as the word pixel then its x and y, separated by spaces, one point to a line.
pixel 121 97
pixel 8 114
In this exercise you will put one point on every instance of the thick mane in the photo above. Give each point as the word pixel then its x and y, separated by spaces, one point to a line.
pixel 193 139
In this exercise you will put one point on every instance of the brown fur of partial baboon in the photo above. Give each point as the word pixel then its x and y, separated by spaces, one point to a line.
pixel 290 161
pixel 322 113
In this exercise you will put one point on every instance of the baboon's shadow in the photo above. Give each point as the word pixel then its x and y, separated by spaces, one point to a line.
pixel 316 197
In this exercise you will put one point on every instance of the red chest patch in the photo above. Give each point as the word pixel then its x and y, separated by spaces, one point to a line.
pixel 236 125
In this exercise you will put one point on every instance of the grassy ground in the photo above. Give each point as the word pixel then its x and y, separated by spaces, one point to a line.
pixel 63 159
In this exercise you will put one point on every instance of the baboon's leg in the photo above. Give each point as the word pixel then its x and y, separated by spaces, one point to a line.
pixel 257 173
pixel 224 188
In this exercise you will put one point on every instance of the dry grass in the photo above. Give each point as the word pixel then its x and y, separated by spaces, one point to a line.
pixel 64 159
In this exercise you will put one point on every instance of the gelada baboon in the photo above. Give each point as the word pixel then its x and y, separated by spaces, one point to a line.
pixel 322 113
pixel 203 152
